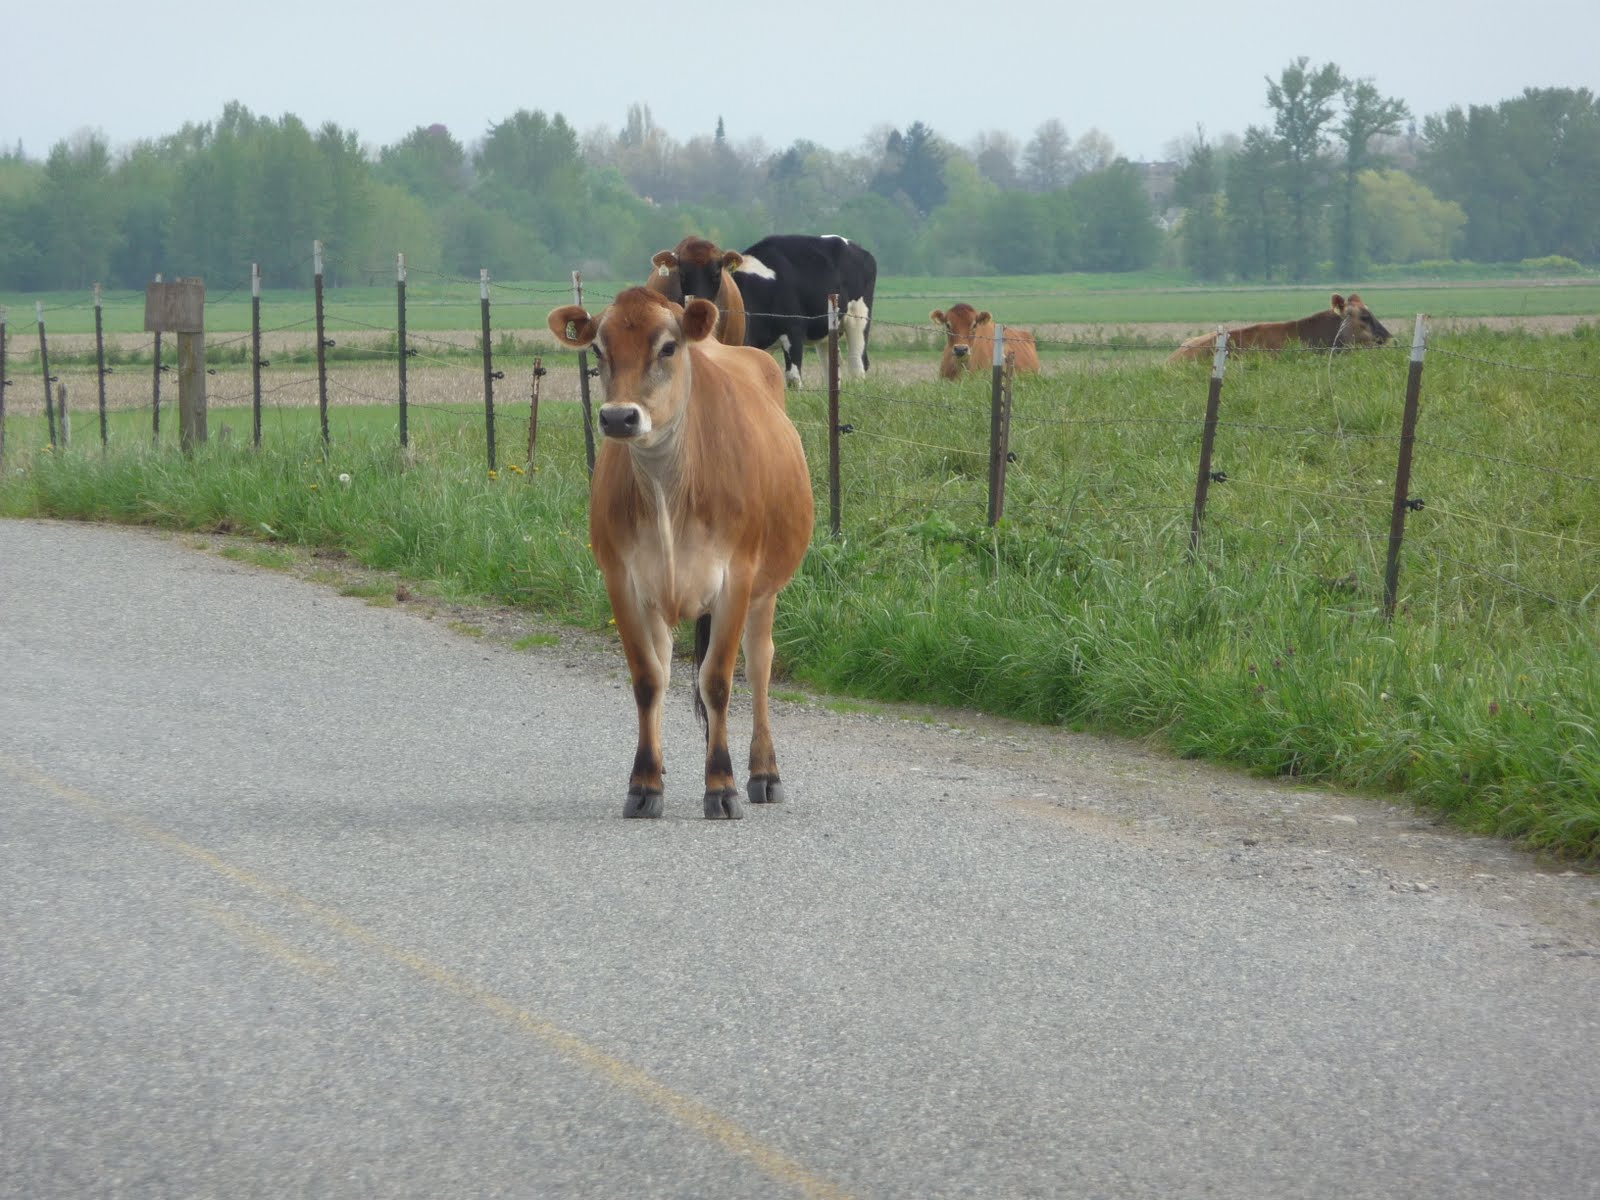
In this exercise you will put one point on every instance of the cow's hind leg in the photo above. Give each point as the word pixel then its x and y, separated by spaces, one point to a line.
pixel 765 787
pixel 856 322
pixel 714 678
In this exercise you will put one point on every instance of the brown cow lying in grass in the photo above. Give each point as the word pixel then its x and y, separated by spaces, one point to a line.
pixel 1347 323
pixel 969 342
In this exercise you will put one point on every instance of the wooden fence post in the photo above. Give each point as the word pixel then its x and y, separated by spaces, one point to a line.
pixel 256 362
pixel 583 380
pixel 405 350
pixel 322 340
pixel 834 500
pixel 180 307
pixel 100 365
pixel 1208 441
pixel 999 428
pixel 489 373
pixel 1402 475
pixel 44 367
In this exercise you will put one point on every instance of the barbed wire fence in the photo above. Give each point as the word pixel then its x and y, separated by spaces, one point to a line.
pixel 970 446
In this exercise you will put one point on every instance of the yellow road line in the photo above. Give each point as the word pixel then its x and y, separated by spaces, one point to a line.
pixel 685 1109
pixel 265 940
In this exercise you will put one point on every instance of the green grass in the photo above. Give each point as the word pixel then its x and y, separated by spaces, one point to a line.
pixel 1083 607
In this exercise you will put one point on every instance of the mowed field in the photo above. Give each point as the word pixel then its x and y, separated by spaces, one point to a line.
pixel 1083 606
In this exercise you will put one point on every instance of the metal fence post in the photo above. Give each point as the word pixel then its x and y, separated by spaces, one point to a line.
pixel 999 428
pixel 1208 441
pixel 255 355
pixel 834 503
pixel 1402 475
pixel 489 373
pixel 100 364
pixel 583 381
pixel 155 387
pixel 44 367
pixel 322 341
pixel 405 351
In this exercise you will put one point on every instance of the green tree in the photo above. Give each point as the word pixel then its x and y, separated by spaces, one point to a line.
pixel 913 167
pixel 428 163
pixel 1405 221
pixel 1198 190
pixel 1118 231
pixel 1302 104
pixel 78 212
pixel 1253 209
pixel 1526 171
pixel 1366 115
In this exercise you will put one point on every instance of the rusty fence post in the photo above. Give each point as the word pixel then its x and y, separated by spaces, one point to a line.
pixel 1402 475
pixel 1208 441
pixel 4 384
pixel 155 385
pixel 533 410
pixel 256 361
pixel 322 340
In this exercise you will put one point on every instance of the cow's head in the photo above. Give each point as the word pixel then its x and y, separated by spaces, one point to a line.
pixel 641 343
pixel 695 267
pixel 1357 325
pixel 961 326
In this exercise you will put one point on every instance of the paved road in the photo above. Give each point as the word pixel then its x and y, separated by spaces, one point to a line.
pixel 303 897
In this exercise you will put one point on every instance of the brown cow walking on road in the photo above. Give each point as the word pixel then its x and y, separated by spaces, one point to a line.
pixel 969 342
pixel 699 510
pixel 697 268
pixel 1345 324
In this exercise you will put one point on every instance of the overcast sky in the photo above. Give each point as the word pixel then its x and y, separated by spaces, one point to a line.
pixel 1143 73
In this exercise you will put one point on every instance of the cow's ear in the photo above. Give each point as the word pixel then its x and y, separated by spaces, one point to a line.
pixel 937 316
pixel 572 325
pixel 699 319
pixel 983 318
pixel 732 260
pixel 1338 302
pixel 1353 298
pixel 664 261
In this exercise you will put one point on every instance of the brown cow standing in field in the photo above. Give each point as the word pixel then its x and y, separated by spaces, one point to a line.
pixel 969 345
pixel 697 268
pixel 1347 323
pixel 699 510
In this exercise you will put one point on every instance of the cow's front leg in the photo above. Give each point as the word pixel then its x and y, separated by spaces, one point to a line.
pixel 644 635
pixel 715 682
pixel 765 786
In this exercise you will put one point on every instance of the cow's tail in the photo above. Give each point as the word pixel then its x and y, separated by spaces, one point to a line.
pixel 702 643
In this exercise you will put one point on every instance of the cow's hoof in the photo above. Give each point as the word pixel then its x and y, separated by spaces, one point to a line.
pixel 642 802
pixel 724 805
pixel 765 789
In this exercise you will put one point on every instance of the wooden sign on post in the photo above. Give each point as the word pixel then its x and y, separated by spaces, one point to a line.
pixel 180 307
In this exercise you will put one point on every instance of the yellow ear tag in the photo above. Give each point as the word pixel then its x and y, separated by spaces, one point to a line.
pixel 572 331
pixel 663 272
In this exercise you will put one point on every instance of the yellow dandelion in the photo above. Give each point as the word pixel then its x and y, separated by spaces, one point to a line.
pixel 313 487
pixel 514 469
pixel 494 474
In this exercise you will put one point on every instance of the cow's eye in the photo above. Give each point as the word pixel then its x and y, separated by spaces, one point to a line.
pixel 669 349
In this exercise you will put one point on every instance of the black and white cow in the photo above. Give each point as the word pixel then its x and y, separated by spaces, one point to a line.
pixel 785 281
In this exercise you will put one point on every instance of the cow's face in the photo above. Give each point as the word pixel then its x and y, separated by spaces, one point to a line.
pixel 641 344
pixel 962 325
pixel 1357 325
pixel 695 267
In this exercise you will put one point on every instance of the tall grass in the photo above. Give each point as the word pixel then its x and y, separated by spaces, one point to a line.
pixel 1083 607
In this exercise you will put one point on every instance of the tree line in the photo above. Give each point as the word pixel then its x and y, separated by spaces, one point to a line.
pixel 1340 179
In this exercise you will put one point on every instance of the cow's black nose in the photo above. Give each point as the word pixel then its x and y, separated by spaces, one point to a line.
pixel 619 420
pixel 961 351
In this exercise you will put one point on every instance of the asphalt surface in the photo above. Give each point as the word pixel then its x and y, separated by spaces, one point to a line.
pixel 301 896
